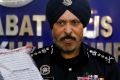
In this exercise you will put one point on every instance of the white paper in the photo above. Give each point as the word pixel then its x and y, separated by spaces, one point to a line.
pixel 18 65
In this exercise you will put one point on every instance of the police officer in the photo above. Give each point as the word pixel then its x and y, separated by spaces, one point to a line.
pixel 69 58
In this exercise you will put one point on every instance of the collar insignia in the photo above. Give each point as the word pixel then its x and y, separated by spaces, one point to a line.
pixel 45 69
pixel 107 58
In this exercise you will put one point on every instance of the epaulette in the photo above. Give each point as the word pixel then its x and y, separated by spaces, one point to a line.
pixel 39 51
pixel 101 55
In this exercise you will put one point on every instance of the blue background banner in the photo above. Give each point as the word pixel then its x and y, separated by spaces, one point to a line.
pixel 28 25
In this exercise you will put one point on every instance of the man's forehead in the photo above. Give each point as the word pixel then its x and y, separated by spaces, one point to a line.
pixel 67 15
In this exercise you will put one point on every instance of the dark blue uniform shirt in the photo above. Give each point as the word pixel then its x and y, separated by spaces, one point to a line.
pixel 91 64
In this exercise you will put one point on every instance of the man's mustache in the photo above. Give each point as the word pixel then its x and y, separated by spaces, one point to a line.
pixel 67 37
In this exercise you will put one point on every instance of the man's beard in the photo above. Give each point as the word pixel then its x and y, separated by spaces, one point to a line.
pixel 66 51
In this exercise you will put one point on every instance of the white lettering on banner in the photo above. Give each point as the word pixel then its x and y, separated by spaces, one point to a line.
pixel 104 21
pixel 117 51
pixel 11 44
pixel 39 19
pixel 1 29
pixel 12 27
pixel 3 44
pixel 26 26
pixel 106 30
pixel 95 32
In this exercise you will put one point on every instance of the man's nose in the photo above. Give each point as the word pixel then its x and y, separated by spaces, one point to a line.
pixel 68 29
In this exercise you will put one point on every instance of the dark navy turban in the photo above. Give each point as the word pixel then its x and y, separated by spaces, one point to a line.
pixel 80 8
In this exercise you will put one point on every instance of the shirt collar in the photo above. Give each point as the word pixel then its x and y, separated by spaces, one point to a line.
pixel 82 58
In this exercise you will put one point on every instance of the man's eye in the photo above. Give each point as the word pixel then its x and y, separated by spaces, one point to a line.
pixel 60 23
pixel 75 22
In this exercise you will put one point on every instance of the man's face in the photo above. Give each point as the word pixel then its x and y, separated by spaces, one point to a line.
pixel 68 32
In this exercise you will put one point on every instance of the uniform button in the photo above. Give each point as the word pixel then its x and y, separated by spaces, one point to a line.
pixel 70 69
